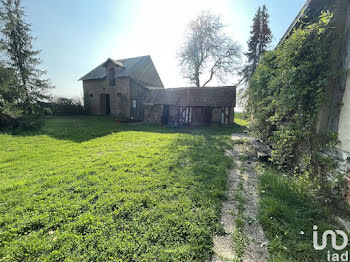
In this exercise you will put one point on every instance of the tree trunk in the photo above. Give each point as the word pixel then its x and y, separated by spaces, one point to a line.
pixel 196 77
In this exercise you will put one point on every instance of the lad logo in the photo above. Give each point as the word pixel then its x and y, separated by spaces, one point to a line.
pixel 333 235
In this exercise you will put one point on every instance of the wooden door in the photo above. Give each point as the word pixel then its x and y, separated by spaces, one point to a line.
pixel 198 116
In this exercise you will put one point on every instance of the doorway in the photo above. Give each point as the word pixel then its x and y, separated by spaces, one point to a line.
pixel 165 115
pixel 105 104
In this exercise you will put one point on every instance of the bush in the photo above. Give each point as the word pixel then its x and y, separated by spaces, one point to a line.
pixel 285 96
pixel 29 123
pixel 6 121
pixel 21 123
pixel 67 106
pixel 286 93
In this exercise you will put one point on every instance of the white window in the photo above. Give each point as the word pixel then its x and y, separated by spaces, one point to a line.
pixel 186 112
pixel 224 116
pixel 134 103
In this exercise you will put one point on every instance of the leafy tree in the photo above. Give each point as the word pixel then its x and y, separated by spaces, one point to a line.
pixel 22 58
pixel 260 38
pixel 208 51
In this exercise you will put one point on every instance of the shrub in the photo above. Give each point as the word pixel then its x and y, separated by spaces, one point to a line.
pixel 67 106
pixel 285 96
pixel 29 123
pixel 286 93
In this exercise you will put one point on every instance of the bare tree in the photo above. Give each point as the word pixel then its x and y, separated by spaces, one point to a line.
pixel 208 51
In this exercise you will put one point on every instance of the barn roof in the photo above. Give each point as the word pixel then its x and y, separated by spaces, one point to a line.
pixel 193 96
pixel 141 68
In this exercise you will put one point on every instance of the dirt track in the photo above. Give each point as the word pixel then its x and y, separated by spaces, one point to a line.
pixel 243 173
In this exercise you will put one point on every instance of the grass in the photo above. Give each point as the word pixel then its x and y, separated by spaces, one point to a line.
pixel 87 188
pixel 240 120
pixel 239 239
pixel 288 214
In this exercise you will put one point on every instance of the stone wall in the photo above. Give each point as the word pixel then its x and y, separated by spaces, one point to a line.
pixel 119 96
pixel 153 114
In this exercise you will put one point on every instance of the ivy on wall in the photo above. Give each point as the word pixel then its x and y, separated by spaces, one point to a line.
pixel 286 93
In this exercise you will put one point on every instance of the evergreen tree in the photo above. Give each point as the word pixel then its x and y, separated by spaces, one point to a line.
pixel 260 38
pixel 22 58
pixel 10 97
pixel 265 32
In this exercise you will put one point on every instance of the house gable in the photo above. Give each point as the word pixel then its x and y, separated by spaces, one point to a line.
pixel 139 68
pixel 118 87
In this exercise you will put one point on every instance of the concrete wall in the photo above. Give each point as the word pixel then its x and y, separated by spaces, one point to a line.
pixel 338 61
pixel 344 119
pixel 342 155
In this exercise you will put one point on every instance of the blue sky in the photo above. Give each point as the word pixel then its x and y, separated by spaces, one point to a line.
pixel 76 36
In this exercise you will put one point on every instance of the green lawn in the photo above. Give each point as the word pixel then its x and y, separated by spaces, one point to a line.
pixel 89 189
pixel 240 120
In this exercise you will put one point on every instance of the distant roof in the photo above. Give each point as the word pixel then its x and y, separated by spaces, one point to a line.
pixel 141 68
pixel 193 96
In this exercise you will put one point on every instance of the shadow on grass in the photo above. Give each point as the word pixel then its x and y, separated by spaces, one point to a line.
pixel 201 167
pixel 83 128
pixel 157 203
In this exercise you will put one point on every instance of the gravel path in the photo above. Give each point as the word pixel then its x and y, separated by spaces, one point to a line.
pixel 255 248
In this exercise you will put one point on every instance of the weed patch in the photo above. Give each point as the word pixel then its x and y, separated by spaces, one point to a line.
pixel 287 216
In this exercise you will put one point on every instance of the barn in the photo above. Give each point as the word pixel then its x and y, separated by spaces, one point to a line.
pixel 118 87
pixel 190 106
pixel 131 90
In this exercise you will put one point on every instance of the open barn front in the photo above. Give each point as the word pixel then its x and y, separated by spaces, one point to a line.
pixel 207 115
pixel 191 106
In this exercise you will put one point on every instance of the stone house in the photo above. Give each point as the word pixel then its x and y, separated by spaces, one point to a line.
pixel 191 105
pixel 119 87
pixel 131 89
pixel 335 115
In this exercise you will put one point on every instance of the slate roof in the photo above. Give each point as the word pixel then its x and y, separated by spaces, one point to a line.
pixel 193 96
pixel 141 68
